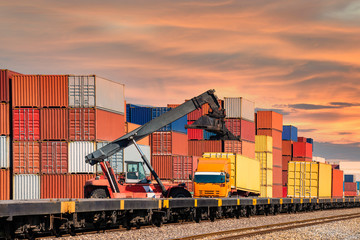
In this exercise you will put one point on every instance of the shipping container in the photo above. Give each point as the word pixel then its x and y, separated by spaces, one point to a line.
pixel 132 154
pixel 26 157
pixel 5 76
pixel 4 152
pixel 109 125
pixel 54 157
pixel 241 128
pixel 189 185
pixel 198 147
pixel 277 157
pixel 302 149
pixel 277 190
pixel 240 147
pixel 348 178
pixel 54 124
pixel 285 162
pixel 303 159
pixel 275 134
pixel 263 143
pixel 54 91
pixel 116 161
pixel 82 125
pixel 208 135
pixel 238 107
pixel 337 183
pixel 350 193
pixel 26 186
pixel 169 143
pixel 310 140
pixel 289 133
pixel 132 126
pixel 269 120
pixel 169 105
pixel 284 177
pixel 287 148
pixel 206 107
pixel 265 159
pixel 350 186
pixel 4 184
pixel 284 192
pixel 301 139
pixel 26 124
pixel 183 167
pixel 194 115
pixel 163 166
pixel 178 125
pixel 4 119
pixel 25 91
pixel 194 134
pixel 54 186
pixel 93 91
pixel 77 153
pixel 138 114
pixel 277 176
pixel 266 191
pixel 77 183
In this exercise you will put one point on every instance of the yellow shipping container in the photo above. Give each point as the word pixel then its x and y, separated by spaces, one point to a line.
pixel 232 157
pixel 265 159
pixel 263 143
pixel 309 179
pixel 266 191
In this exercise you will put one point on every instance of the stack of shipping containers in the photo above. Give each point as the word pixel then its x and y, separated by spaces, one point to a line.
pixel 302 150
pixel 289 136
pixel 263 153
pixel 270 123
pixel 350 168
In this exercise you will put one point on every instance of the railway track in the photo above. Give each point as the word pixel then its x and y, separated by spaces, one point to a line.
pixel 265 229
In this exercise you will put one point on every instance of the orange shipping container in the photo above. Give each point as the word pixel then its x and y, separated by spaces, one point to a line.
pixel 4 184
pixel 54 157
pixel 285 161
pixel 82 124
pixel 169 143
pixel 26 157
pixel 54 91
pixel 287 148
pixel 77 183
pixel 275 134
pixel 54 124
pixel 337 183
pixel 269 120
pixel 25 91
pixel 4 119
pixel 277 175
pixel 109 126
pixel 277 157
pixel 132 126
pixel 277 190
pixel 244 148
pixel 163 166
pixel 304 159
pixel 198 147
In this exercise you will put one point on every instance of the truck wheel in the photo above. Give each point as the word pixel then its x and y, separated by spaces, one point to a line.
pixel 98 193
pixel 180 193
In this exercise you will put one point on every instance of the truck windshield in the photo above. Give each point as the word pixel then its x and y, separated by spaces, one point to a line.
pixel 209 177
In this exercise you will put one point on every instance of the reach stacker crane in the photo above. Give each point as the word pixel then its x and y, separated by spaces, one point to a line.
pixel 133 183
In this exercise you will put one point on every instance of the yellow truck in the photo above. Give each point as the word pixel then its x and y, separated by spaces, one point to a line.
pixel 226 175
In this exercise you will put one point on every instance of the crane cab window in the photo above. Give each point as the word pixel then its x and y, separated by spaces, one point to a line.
pixel 135 171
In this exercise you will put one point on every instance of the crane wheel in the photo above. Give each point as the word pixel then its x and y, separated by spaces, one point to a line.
pixel 180 193
pixel 98 193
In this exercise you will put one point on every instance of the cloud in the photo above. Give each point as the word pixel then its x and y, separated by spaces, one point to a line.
pixel 281 111
pixel 306 106
pixel 337 151
pixel 307 130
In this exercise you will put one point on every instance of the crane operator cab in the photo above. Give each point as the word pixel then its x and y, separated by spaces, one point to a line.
pixel 135 172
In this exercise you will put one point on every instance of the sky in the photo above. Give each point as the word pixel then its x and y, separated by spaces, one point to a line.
pixel 300 58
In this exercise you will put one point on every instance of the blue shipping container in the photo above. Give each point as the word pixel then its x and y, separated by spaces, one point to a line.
pixel 207 135
pixel 290 133
pixel 348 178
pixel 177 125
pixel 357 185
pixel 138 114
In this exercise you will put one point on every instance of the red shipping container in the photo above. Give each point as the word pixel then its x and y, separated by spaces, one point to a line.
pixel 337 183
pixel 197 148
pixel 109 126
pixel 277 190
pixel 277 157
pixel 26 124
pixel 194 134
pixel 301 139
pixel 303 159
pixel 284 192
pixel 26 157
pixel 25 91
pixel 287 148
pixel 4 119
pixel 54 124
pixel 195 163
pixel 232 146
pixel 82 124
pixel 302 149
pixel 163 166
pixel 275 134
pixel 5 76
pixel 240 127
pixel 285 161
pixel 4 184
pixel 284 178
pixel 54 91
pixel 54 157
pixel 349 193
pixel 350 186
pixel 194 115
pixel 269 120
pixel 169 143
pixel 277 175
pixel 183 167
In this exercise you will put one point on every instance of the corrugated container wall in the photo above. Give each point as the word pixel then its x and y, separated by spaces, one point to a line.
pixel 302 149
pixel 132 154
pixel 163 166
pixel 183 167
pixel 348 178
pixel 54 124
pixel 239 127
pixel 289 133
pixel 132 126
pixel 263 143
pixel 239 107
pixel 337 183
pixel 26 186
pixel 5 76
pixel 287 148
pixel 54 91
pixel 81 91
pixel 77 153
pixel 4 119
pixel 109 125
pixel 26 157
pixel 178 125
pixel 82 124
pixel 269 120
pixel 247 174
pixel 194 134
pixel 197 148
pixel 25 91
pixel 26 124
pixel 110 95
pixel 138 114
pixel 277 157
pixel 4 151
pixel 349 186
pixel 275 134
pixel 116 160
pixel 54 157
pixel 167 143
pixel 5 184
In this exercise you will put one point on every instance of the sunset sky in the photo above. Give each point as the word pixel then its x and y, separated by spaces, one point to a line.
pixel 301 58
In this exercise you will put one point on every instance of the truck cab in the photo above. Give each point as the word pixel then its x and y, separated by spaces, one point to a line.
pixel 212 178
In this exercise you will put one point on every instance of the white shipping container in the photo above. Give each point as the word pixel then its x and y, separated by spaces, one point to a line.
pixel 93 91
pixel 349 165
pixel 26 186
pixel 319 159
pixel 116 160
pixel 77 153
pixel 239 107
pixel 132 154
pixel 4 151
